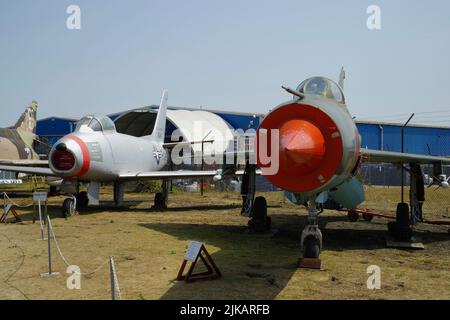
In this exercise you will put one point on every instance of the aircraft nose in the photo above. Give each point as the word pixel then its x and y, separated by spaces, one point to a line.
pixel 302 146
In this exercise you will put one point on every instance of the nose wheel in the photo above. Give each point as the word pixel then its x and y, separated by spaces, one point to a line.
pixel 311 239
pixel 69 207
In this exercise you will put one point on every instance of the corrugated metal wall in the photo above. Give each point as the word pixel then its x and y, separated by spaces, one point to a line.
pixel 420 140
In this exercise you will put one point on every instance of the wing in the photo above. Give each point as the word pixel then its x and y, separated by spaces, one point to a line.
pixel 30 170
pixel 168 175
pixel 398 157
pixel 24 163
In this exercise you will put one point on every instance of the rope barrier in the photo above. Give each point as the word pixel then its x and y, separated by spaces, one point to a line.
pixel 115 280
pixel 5 195
pixel 63 258
pixel 22 259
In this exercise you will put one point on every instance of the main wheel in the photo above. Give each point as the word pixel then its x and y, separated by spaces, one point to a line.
pixel 82 200
pixel 352 215
pixel 259 222
pixel 260 208
pixel 367 216
pixel 159 200
pixel 311 247
pixel 68 207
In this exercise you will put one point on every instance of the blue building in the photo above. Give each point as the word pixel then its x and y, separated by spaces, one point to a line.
pixel 419 139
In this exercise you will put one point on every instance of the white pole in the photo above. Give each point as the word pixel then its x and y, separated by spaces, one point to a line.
pixel 40 219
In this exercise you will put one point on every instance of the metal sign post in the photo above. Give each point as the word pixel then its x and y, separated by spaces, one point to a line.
pixel 38 198
pixel 40 221
pixel 50 273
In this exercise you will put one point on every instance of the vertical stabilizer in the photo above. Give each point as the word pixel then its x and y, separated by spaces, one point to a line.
pixel 27 121
pixel 159 131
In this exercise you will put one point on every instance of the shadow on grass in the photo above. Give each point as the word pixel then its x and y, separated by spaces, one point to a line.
pixel 260 266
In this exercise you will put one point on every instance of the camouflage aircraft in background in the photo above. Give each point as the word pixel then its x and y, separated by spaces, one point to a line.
pixel 16 143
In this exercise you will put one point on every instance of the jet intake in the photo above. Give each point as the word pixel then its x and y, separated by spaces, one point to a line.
pixel 63 160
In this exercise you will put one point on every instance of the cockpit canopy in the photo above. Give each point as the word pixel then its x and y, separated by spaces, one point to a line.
pixel 96 123
pixel 322 87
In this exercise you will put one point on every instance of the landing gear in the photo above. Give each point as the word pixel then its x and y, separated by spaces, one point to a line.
pixel 311 239
pixel 248 190
pixel 401 229
pixel 254 208
pixel 352 215
pixel 259 222
pixel 82 200
pixel 69 207
pixel 161 198
pixel 159 201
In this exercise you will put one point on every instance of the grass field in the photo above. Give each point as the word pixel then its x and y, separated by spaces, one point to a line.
pixel 149 246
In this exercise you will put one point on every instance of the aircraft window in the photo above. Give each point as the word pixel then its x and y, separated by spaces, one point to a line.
pixel 107 124
pixel 322 87
pixel 83 122
pixel 95 125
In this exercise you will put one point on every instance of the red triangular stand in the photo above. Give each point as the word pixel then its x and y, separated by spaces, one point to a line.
pixel 212 273
pixel 9 208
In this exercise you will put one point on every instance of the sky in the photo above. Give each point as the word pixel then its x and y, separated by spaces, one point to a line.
pixel 228 55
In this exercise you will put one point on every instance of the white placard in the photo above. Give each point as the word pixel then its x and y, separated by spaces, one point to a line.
pixel 11 181
pixel 39 196
pixel 193 250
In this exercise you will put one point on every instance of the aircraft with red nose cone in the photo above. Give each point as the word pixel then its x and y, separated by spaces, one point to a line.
pixel 95 152
pixel 319 154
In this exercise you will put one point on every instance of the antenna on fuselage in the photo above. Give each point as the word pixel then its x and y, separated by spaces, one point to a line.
pixel 342 78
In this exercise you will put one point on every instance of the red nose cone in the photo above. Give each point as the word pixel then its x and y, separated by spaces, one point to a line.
pixel 302 146
pixel 310 147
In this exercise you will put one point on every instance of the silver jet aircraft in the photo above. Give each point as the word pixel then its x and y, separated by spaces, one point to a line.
pixel 95 152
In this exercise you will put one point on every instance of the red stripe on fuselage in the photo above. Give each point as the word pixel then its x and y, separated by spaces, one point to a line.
pixel 86 157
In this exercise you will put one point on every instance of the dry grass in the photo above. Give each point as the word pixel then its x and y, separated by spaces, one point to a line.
pixel 149 246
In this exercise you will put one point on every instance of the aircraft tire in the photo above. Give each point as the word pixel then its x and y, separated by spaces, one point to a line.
pixel 353 216
pixel 67 207
pixel 367 216
pixel 159 201
pixel 259 222
pixel 311 247
pixel 82 200
pixel 260 208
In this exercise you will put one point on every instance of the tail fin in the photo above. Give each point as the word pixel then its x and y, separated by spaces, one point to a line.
pixel 27 121
pixel 159 131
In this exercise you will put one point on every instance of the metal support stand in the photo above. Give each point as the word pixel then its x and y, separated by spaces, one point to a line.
pixel 417 194
pixel 403 150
